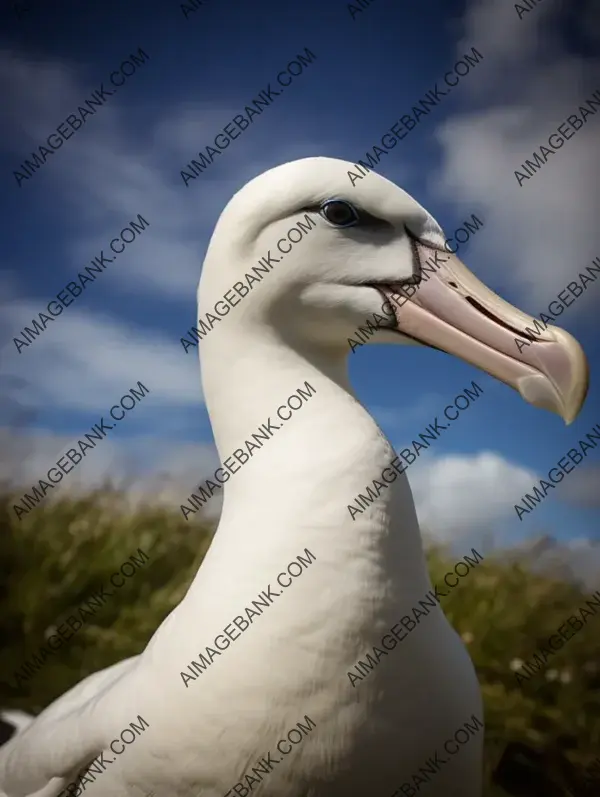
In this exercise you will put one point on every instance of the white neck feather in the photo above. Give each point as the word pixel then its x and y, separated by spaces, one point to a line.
pixel 295 491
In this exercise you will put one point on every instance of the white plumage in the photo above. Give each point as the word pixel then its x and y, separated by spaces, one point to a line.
pixel 292 495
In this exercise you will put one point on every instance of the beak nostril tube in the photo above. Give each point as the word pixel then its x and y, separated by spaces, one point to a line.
pixel 474 303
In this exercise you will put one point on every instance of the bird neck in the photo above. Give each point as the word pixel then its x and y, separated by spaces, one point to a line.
pixel 323 449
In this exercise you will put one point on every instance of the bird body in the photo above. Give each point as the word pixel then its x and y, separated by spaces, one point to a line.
pixel 213 720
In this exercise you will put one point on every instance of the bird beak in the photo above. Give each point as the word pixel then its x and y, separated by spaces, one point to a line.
pixel 450 309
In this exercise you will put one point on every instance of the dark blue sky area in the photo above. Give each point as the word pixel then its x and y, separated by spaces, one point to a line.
pixel 368 72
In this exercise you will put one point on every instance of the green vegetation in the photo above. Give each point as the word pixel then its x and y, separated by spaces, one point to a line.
pixel 59 555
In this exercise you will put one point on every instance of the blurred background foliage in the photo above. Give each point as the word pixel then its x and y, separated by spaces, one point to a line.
pixel 503 612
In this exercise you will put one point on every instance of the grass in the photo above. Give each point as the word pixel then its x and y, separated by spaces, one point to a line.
pixel 61 553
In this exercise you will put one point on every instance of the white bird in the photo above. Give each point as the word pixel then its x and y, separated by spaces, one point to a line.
pixel 205 735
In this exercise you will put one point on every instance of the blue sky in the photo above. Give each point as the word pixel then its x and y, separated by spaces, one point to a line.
pixel 368 71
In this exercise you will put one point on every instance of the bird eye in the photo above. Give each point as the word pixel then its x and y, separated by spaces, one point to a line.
pixel 339 212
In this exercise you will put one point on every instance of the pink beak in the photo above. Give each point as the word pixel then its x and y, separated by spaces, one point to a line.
pixel 455 312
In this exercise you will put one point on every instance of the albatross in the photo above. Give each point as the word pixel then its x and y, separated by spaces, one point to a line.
pixel 219 733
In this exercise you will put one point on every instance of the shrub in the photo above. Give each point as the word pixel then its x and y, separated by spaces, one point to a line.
pixel 59 555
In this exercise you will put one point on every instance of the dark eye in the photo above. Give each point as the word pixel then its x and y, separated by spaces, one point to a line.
pixel 339 212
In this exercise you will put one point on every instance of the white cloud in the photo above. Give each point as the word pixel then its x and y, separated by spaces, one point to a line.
pixel 539 236
pixel 150 469
pixel 582 488
pixel 578 560
pixel 458 494
pixel 87 362
pixel 584 562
